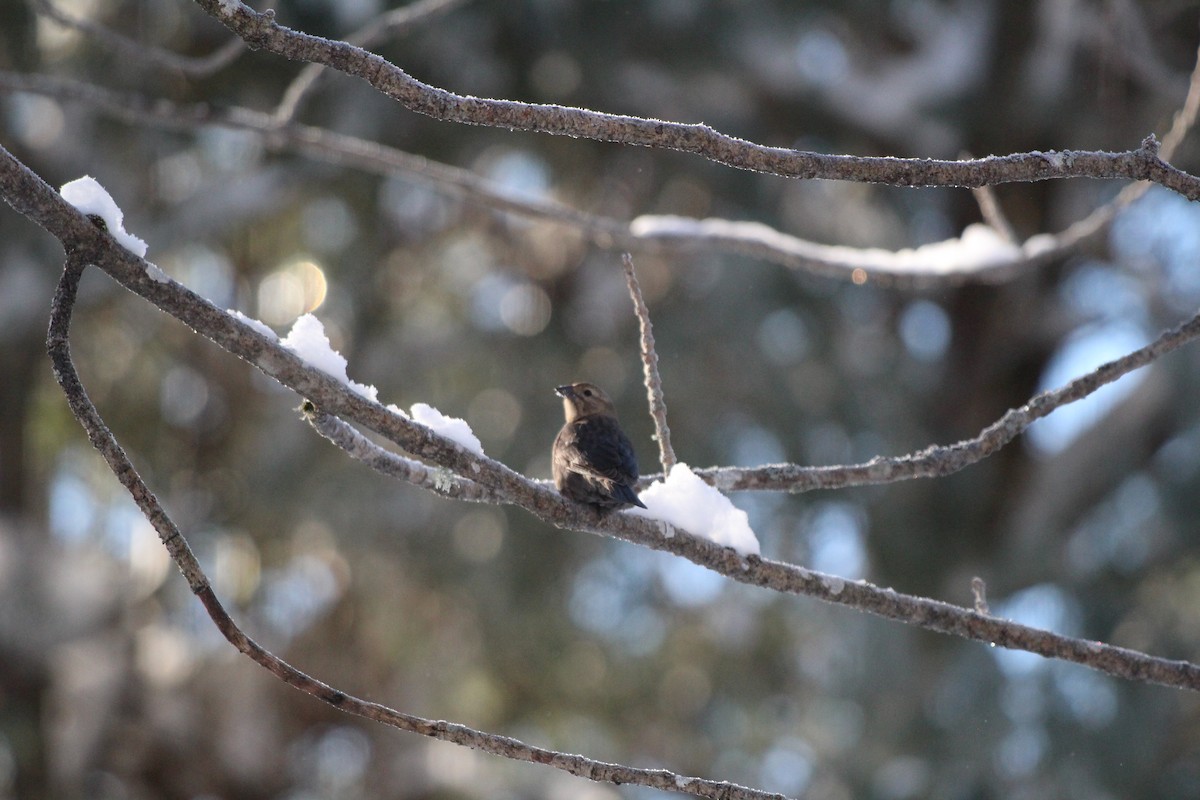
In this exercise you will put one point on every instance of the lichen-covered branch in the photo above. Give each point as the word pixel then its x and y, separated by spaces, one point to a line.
pixel 394 465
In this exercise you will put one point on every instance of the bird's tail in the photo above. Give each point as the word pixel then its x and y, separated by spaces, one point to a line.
pixel 626 495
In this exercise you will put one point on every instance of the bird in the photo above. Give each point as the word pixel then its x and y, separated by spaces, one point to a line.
pixel 593 460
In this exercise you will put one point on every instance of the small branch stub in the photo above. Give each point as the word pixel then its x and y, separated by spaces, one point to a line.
pixel 979 589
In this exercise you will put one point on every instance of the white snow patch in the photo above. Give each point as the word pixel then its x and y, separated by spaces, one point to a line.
pixel 156 274
pixel 452 428
pixel 979 247
pixel 834 584
pixel 89 197
pixel 307 340
pixel 687 502
pixel 257 324
pixel 228 7
pixel 1040 243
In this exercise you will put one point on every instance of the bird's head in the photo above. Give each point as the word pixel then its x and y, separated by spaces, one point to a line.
pixel 582 399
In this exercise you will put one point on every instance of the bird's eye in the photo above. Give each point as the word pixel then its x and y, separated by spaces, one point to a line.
pixel 587 392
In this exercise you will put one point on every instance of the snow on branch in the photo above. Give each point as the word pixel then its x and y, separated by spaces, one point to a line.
pixel 976 255
pixel 489 481
pixel 89 197
pixel 175 542
pixel 89 245
pixel 978 251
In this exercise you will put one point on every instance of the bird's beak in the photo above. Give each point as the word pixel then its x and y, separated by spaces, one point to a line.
pixel 564 391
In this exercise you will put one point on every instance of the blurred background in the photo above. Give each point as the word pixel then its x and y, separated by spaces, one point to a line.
pixel 113 683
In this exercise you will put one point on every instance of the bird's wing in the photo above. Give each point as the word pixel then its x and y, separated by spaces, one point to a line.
pixel 601 448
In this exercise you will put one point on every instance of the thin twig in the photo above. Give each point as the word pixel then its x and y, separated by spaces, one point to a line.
pixel 654 392
pixel 1097 222
pixel 993 214
pixel 989 208
pixel 1185 117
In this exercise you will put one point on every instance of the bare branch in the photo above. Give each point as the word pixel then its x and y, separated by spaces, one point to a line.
pixel 654 392
pixel 58 347
pixel 992 213
pixel 937 461
pixel 198 67
pixel 1185 117
pixel 260 30
pixel 1097 222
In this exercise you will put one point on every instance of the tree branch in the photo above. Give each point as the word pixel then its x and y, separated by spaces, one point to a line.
pixel 260 31
pixel 104 441
pixel 360 448
pixel 941 460
pixel 933 615
pixel 197 67
pixel 31 196
pixel 648 233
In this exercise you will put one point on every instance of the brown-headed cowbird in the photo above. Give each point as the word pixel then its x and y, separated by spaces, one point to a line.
pixel 593 460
